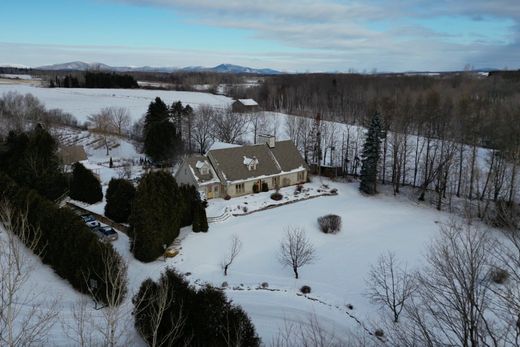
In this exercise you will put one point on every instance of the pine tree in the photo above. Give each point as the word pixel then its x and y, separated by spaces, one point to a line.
pixel 370 157
pixel 84 186
pixel 203 219
pixel 111 163
pixel 119 197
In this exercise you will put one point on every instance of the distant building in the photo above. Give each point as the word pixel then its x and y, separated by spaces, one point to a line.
pixel 71 154
pixel 234 171
pixel 245 106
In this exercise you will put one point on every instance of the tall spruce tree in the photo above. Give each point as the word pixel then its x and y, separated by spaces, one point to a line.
pixel 119 197
pixel 84 186
pixel 162 141
pixel 370 157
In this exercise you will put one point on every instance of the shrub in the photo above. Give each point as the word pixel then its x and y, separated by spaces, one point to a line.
pixel 330 223
pixel 299 188
pixel 276 196
pixel 265 187
pixel 227 197
pixel 84 186
pixel 350 306
pixel 305 289
pixel 224 285
pixel 210 319
pixel 200 220
pixel 379 333
pixel 499 276
pixel 120 195
pixel 244 208
pixel 256 189
pixel 265 285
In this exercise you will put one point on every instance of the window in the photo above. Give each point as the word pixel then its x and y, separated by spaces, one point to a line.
pixel 239 188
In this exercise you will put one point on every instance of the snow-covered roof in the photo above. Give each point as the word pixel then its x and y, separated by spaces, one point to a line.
pixel 248 161
pixel 248 102
pixel 200 164
pixel 222 145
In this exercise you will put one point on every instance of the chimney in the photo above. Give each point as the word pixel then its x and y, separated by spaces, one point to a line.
pixel 270 140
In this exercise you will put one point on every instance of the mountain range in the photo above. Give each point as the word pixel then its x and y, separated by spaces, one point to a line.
pixel 222 68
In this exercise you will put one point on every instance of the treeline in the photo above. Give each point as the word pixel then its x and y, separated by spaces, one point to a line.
pixel 56 234
pixel 92 79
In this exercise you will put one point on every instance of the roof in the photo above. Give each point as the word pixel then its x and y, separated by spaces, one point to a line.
pixel 287 155
pixel 248 102
pixel 221 145
pixel 195 162
pixel 229 162
pixel 72 154
pixel 232 163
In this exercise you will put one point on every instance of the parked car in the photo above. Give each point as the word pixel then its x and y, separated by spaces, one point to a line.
pixel 93 224
pixel 87 218
pixel 106 233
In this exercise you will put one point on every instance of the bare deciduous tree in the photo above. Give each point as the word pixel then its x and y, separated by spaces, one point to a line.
pixel 236 245
pixel 229 127
pixel 120 118
pixel 202 132
pixel 80 326
pixel 296 250
pixel 390 285
pixel 24 320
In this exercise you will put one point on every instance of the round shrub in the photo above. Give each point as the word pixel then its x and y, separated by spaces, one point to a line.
pixel 330 224
pixel 276 196
pixel 305 289
pixel 224 284
pixel 379 333
pixel 499 276
pixel 265 187
pixel 227 197
pixel 350 306
pixel 265 285
pixel 256 189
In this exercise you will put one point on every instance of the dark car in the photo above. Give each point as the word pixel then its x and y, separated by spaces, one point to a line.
pixel 106 233
pixel 87 218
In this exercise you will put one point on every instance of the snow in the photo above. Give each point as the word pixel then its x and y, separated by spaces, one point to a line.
pixel 222 145
pixel 200 164
pixel 16 76
pixel 82 102
pixel 250 161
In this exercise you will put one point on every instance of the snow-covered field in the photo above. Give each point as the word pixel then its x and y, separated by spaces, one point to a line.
pixel 83 102
pixel 371 226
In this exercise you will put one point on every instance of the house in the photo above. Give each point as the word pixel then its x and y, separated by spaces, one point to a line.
pixel 245 106
pixel 234 171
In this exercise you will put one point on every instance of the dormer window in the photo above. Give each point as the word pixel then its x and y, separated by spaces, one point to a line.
pixel 251 163
pixel 203 167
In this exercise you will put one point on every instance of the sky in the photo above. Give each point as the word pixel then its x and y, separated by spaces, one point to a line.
pixel 287 35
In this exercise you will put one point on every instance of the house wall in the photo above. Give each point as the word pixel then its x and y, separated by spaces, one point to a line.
pixel 248 185
pixel 184 176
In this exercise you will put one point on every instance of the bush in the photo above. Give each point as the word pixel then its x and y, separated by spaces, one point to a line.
pixel 84 186
pixel 265 187
pixel 350 306
pixel 227 197
pixel 499 276
pixel 299 188
pixel 379 333
pixel 210 319
pixel 224 285
pixel 330 223
pixel 276 196
pixel 120 195
pixel 305 289
pixel 256 189
pixel 265 285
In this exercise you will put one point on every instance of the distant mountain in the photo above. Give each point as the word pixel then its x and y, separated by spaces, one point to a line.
pixel 222 68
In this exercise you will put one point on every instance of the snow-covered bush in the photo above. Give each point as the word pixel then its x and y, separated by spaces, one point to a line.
pixel 330 223
pixel 305 289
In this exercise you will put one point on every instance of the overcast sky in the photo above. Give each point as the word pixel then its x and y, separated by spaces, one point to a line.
pixel 289 35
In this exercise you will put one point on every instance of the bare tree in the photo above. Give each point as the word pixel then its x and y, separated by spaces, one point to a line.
pixel 125 170
pixel 112 325
pixel 229 127
pixel 202 132
pixel 236 245
pixel 258 123
pixel 24 320
pixel 119 118
pixel 80 326
pixel 296 250
pixel 103 125
pixel 390 285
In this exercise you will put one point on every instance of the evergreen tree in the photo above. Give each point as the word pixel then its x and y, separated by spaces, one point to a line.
pixel 111 163
pixel 162 142
pixel 84 186
pixel 155 218
pixel 119 197
pixel 370 157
